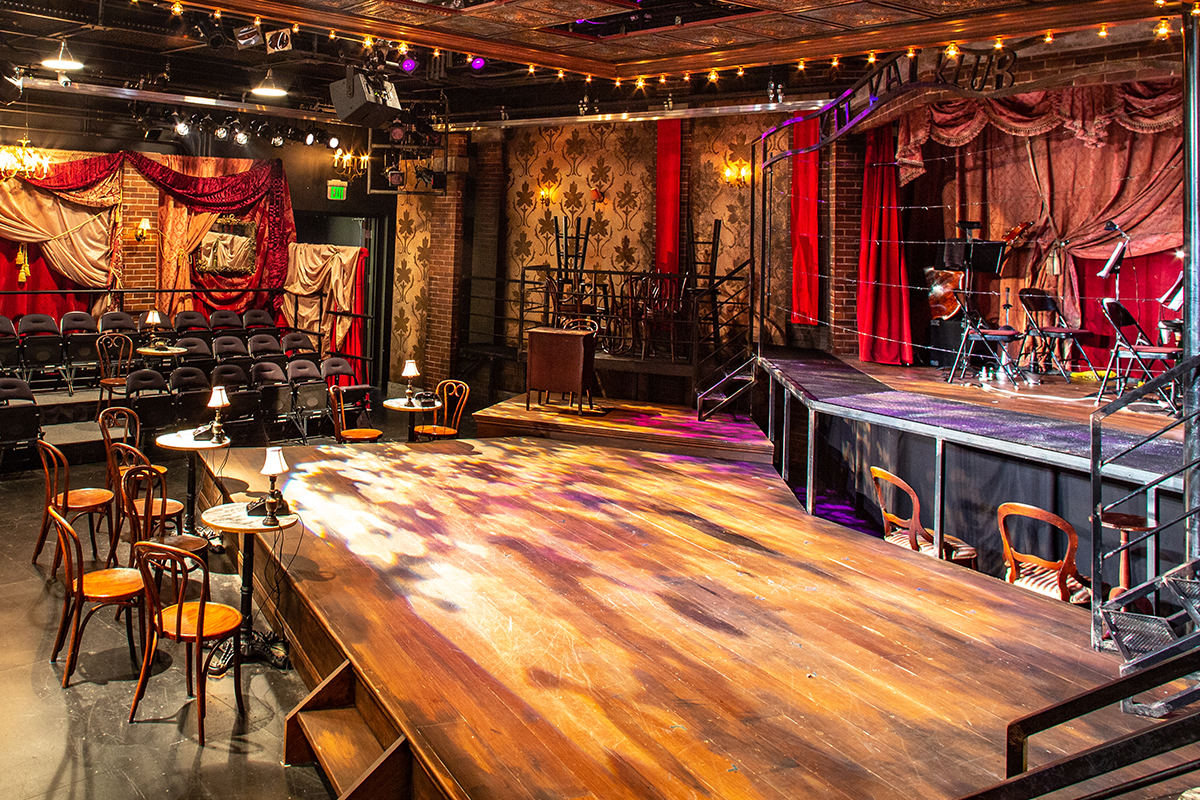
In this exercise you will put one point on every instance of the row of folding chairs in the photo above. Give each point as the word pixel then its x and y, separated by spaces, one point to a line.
pixel 267 396
pixel 20 416
pixel 258 348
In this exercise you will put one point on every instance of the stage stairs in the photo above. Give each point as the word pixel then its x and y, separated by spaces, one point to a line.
pixel 732 384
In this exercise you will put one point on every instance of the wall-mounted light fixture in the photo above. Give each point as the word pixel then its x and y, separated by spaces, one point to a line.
pixel 142 230
pixel 597 197
pixel 545 195
pixel 737 173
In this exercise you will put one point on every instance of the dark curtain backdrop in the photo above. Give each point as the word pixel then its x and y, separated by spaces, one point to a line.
pixel 884 326
pixel 806 278
pixel 666 200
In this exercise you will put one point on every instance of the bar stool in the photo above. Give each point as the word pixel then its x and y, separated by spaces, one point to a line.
pixel 1125 524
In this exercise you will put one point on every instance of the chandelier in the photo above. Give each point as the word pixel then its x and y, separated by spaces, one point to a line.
pixel 23 161
pixel 349 165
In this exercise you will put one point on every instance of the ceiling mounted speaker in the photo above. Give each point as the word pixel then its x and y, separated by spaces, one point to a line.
pixel 362 100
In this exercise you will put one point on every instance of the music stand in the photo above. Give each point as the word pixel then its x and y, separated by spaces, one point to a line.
pixel 985 257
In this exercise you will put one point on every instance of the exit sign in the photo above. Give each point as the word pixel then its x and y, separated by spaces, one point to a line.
pixel 335 190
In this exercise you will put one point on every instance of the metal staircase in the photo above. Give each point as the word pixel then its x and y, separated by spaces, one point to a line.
pixel 732 384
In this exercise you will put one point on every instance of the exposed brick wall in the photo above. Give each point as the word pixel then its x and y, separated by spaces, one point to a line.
pixel 141 260
pixel 847 160
pixel 446 274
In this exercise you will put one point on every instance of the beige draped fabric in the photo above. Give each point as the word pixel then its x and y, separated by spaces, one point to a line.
pixel 225 251
pixel 181 230
pixel 75 239
pixel 313 268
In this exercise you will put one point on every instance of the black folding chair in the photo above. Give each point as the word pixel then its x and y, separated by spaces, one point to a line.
pixel 1133 347
pixel 1045 340
pixel 979 333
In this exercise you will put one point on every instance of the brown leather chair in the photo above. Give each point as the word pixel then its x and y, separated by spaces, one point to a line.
pixel 453 395
pixel 195 622
pixel 103 587
pixel 910 533
pixel 1058 579
pixel 343 434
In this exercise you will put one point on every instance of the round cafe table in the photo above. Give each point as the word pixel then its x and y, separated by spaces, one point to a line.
pixel 233 518
pixel 412 409
pixel 187 442
pixel 162 355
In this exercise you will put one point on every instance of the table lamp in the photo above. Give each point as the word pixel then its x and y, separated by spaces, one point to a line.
pixel 272 467
pixel 218 401
pixel 154 322
pixel 410 372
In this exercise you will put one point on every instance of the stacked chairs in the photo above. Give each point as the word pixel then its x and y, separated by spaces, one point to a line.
pixel 150 397
pixel 198 355
pixel 115 352
pixel 264 347
pixel 232 350
pixel 191 390
pixel 227 323
pixel 297 345
pixel 310 395
pixel 10 348
pixel 118 587
pixel 20 417
pixel 41 346
pixel 274 391
pixel 259 320
pixel 79 337
pixel 193 324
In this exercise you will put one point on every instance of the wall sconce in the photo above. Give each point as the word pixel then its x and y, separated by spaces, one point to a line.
pixel 142 230
pixel 597 197
pixel 545 195
pixel 737 173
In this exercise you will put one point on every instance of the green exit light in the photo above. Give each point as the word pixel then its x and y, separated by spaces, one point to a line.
pixel 335 190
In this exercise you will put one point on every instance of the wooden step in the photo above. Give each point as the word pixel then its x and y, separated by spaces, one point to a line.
pixel 344 745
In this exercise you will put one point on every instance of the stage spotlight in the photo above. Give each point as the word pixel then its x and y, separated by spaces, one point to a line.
pixel 409 65
pixel 62 60
pixel 206 124
pixel 10 82
pixel 310 136
pixel 222 130
pixel 478 63
pixel 269 87
pixel 277 139
pixel 294 134
pixel 241 137
pixel 333 142
pixel 183 125
pixel 212 32
pixel 318 137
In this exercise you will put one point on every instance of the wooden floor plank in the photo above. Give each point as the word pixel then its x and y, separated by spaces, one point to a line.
pixel 578 621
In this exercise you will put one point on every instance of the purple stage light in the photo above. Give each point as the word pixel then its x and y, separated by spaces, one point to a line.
pixel 477 62
pixel 409 64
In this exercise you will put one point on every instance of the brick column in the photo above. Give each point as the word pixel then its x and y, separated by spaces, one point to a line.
pixel 847 160
pixel 446 273
pixel 140 200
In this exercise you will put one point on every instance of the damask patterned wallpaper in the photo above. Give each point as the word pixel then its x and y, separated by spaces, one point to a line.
pixel 570 161
pixel 410 280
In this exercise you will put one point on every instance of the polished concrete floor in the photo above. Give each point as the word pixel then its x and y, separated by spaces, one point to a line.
pixel 77 742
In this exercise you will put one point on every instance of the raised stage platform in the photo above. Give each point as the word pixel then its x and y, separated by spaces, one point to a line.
pixel 629 424
pixel 548 620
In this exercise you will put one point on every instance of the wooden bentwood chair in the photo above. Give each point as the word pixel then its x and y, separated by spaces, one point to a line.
pixel 910 533
pixel 1057 579
pixel 453 395
pixel 196 623
pixel 144 493
pixel 343 434
pixel 104 587
pixel 70 503
pixel 115 351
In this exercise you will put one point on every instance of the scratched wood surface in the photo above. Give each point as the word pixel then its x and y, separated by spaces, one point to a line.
pixel 553 620
pixel 629 423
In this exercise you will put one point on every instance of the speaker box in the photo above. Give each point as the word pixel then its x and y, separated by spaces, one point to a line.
pixel 360 100
pixel 945 335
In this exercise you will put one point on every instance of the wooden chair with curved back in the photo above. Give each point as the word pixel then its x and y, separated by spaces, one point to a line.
pixel 1058 579
pixel 115 351
pixel 70 503
pixel 910 532
pixel 119 425
pixel 195 622
pixel 343 434
pixel 144 492
pixel 103 587
pixel 453 395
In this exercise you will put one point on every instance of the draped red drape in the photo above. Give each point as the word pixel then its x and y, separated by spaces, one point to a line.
pixel 41 278
pixel 352 345
pixel 666 225
pixel 884 331
pixel 805 178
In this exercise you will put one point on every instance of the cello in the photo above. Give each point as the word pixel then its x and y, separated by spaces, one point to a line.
pixel 944 283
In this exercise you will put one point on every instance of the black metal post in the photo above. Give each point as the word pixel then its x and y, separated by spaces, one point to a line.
pixel 1191 283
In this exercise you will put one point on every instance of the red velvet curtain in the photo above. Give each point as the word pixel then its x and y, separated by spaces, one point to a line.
pixel 805 181
pixel 352 345
pixel 70 176
pixel 884 328
pixel 1143 280
pixel 41 278
pixel 666 218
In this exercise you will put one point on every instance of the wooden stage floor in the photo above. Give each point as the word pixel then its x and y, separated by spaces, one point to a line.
pixel 549 620
pixel 630 424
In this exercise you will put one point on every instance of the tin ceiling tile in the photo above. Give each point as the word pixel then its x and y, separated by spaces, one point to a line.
pixel 861 15
pixel 779 26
